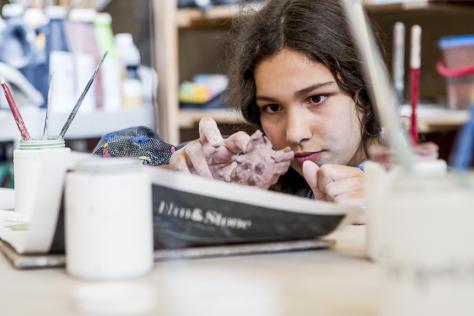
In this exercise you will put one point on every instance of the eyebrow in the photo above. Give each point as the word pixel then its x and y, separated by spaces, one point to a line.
pixel 299 93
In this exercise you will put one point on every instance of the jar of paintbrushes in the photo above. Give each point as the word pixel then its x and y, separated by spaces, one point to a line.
pixel 39 166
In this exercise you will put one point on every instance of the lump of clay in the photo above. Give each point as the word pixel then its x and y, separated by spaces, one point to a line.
pixel 260 166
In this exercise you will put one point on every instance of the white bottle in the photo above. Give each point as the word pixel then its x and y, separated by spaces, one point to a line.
pixel 109 230
pixel 61 62
pixel 12 10
pixel 132 90
pixel 111 69
pixel 83 45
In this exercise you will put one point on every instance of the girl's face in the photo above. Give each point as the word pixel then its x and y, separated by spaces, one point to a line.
pixel 302 107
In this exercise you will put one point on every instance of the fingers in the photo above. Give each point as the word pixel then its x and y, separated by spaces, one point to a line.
pixel 209 132
pixel 178 161
pixel 310 173
pixel 341 184
pixel 340 187
pixel 285 154
pixel 354 199
pixel 238 142
pixel 331 172
pixel 195 155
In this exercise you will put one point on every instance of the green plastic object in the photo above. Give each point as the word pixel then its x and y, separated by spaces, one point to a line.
pixel 104 34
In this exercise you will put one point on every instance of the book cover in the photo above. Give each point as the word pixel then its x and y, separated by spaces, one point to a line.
pixel 192 211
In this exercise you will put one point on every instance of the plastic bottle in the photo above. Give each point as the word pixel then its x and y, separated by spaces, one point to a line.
pixel 132 93
pixel 111 74
pixel 3 26
pixel 60 61
pixel 17 47
pixel 82 41
pixel 12 10
pixel 36 20
pixel 37 70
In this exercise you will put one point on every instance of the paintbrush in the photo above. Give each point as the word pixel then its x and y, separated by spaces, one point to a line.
pixel 383 95
pixel 415 64
pixel 398 62
pixel 81 98
pixel 48 103
pixel 16 113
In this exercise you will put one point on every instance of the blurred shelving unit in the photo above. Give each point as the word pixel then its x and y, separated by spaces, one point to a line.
pixel 171 23
pixel 186 18
pixel 85 125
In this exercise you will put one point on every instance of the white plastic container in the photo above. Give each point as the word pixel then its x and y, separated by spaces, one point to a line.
pixel 109 230
pixel 39 166
pixel 378 192
pixel 420 228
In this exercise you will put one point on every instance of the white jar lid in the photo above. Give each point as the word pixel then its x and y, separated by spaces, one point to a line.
pixel 103 18
pixel 12 10
pixel 98 165
pixel 56 12
pixel 82 15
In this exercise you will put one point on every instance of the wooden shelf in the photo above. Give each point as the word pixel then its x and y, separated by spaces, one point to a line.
pixel 85 125
pixel 186 18
pixel 431 118
pixel 189 17
pixel 435 118
pixel 188 118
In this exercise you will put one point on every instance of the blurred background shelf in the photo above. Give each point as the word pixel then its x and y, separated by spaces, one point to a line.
pixel 434 118
pixel 85 125
pixel 189 118
pixel 189 17
pixel 192 41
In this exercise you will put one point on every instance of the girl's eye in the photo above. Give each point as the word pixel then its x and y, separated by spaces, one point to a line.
pixel 317 99
pixel 271 108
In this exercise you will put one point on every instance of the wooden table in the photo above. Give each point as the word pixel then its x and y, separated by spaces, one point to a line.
pixel 340 281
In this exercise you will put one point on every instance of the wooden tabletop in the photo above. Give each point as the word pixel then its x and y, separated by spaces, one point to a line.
pixel 339 281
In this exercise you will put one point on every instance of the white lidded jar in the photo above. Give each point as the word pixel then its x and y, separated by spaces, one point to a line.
pixel 109 230
pixel 40 167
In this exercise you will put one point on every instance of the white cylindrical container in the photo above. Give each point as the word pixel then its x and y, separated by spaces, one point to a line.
pixel 39 166
pixel 109 230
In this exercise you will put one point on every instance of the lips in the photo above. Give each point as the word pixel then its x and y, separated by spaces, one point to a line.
pixel 303 156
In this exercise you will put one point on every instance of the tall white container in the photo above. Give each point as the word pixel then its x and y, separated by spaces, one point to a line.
pixel 109 230
pixel 40 167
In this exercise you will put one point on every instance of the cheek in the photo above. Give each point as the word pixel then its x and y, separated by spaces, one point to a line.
pixel 342 126
pixel 275 133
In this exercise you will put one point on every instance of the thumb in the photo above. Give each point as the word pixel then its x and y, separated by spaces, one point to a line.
pixel 310 173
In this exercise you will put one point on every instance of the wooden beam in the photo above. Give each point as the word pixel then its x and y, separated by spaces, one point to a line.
pixel 166 64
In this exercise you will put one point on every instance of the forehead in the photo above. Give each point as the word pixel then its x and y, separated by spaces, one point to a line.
pixel 289 71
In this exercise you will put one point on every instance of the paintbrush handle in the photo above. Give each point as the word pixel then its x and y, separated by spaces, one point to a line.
pixel 81 99
pixel 16 113
pixel 415 95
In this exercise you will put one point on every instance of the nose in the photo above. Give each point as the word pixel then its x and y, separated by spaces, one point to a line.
pixel 297 128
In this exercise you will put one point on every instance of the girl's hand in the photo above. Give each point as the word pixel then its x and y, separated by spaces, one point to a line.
pixel 335 183
pixel 240 158
pixel 209 151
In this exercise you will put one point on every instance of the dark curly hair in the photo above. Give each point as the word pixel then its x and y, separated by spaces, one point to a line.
pixel 316 28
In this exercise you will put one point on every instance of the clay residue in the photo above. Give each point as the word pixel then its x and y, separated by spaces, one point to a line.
pixel 259 166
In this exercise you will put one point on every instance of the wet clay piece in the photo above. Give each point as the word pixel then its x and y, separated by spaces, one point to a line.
pixel 259 166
